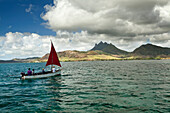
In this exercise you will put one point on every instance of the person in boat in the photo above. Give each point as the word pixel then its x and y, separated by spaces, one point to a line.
pixel 33 72
pixel 23 74
pixel 29 72
pixel 43 71
pixel 53 69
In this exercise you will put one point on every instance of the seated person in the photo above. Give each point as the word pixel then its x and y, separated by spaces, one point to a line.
pixel 23 74
pixel 53 69
pixel 33 72
pixel 43 71
pixel 29 72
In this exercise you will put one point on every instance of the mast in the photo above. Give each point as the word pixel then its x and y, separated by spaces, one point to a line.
pixel 52 63
pixel 52 60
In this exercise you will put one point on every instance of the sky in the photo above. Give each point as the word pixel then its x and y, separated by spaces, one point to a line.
pixel 27 26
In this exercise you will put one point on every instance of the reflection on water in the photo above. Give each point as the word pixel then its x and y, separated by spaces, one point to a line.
pixel 98 86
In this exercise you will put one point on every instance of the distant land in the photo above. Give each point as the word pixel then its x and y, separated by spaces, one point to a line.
pixel 108 48
pixel 104 51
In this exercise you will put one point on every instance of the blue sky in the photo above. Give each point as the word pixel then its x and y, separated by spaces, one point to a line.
pixel 15 16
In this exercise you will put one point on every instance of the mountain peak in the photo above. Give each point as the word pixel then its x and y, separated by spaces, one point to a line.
pixel 101 42
pixel 99 46
pixel 108 48
pixel 148 44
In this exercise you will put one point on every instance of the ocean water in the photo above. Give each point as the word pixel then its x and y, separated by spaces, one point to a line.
pixel 88 87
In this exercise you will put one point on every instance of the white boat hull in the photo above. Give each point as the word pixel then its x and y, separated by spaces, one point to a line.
pixel 41 75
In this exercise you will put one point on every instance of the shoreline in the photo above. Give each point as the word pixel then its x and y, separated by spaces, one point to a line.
pixel 79 60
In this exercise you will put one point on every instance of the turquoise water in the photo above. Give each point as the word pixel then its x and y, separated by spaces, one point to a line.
pixel 96 86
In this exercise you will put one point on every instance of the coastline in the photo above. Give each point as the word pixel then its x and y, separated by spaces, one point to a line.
pixel 66 59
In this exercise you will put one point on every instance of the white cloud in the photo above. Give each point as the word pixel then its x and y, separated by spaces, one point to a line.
pixel 21 45
pixel 164 13
pixel 28 10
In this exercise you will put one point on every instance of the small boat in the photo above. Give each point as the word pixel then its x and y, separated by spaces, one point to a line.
pixel 52 60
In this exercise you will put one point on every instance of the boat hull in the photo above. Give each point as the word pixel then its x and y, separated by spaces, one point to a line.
pixel 41 75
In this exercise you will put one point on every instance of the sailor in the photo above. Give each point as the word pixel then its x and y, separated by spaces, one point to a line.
pixel 23 74
pixel 29 72
pixel 53 69
pixel 43 71
pixel 33 72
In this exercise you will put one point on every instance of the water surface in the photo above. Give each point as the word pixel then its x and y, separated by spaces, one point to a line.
pixel 94 86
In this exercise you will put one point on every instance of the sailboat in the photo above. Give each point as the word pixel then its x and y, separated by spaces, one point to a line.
pixel 52 60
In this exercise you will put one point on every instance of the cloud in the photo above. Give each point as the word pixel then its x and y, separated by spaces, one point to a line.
pixel 23 45
pixel 109 17
pixel 10 26
pixel 164 14
pixel 28 10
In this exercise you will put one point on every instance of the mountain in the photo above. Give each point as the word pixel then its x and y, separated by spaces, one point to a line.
pixel 151 50
pixel 21 60
pixel 108 48
pixel 68 53
pixel 8 61
pixel 30 59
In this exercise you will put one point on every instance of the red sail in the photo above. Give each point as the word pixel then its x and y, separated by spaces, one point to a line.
pixel 53 58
